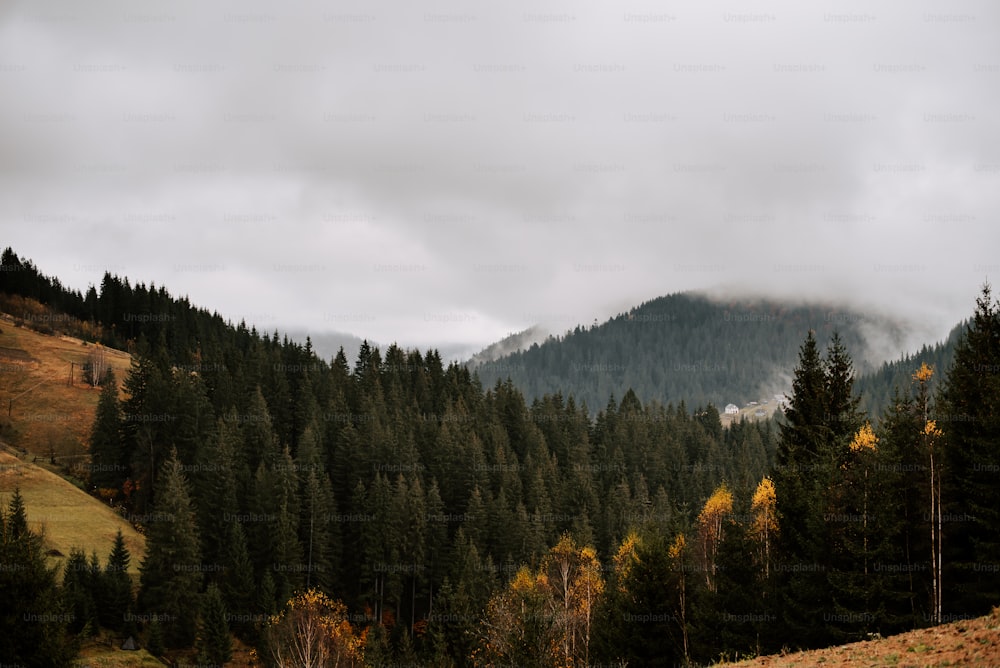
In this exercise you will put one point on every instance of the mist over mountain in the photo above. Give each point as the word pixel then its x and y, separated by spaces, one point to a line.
pixel 878 387
pixel 327 344
pixel 510 344
pixel 693 348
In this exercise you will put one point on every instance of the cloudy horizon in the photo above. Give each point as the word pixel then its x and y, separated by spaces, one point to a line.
pixel 447 174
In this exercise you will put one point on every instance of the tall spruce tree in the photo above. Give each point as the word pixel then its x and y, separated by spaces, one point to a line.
pixel 78 593
pixel 146 420
pixel 317 530
pixel 238 582
pixel 108 463
pixel 214 645
pixel 115 601
pixel 800 476
pixel 968 414
pixel 33 617
pixel 853 527
pixel 813 453
pixel 171 572
pixel 903 471
pixel 218 488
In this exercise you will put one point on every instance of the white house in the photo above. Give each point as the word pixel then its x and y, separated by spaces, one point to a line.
pixel 732 409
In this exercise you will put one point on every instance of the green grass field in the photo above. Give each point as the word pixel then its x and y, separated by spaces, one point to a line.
pixel 68 516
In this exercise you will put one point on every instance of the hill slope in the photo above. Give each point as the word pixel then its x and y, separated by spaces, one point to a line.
pixel 687 347
pixel 69 517
pixel 972 642
pixel 50 419
pixel 43 414
pixel 877 387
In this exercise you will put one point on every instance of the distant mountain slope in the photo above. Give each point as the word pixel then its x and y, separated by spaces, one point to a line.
pixel 510 344
pixel 877 387
pixel 687 347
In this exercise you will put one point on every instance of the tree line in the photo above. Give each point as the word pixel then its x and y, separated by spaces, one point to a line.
pixel 682 346
pixel 403 513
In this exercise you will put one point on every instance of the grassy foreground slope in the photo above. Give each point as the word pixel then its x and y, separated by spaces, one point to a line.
pixel 972 642
pixel 69 516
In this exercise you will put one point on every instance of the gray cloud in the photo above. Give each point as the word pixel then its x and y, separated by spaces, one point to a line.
pixel 447 173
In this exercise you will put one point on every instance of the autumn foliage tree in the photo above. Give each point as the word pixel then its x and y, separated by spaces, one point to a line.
pixel 763 508
pixel 710 530
pixel 312 631
pixel 545 618
pixel 517 628
pixel 574 586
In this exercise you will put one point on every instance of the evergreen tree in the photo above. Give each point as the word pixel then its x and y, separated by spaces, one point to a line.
pixel 171 572
pixel 812 453
pixel 813 484
pixel 267 595
pixel 214 645
pixel 115 601
pixel 318 533
pixel 904 473
pixel 464 595
pixel 194 421
pixel 737 614
pixel 968 415
pixel 238 582
pixel 843 417
pixel 218 488
pixel 107 456
pixel 643 617
pixel 33 617
pixel 154 638
pixel 78 593
pixel 859 546
pixel 146 414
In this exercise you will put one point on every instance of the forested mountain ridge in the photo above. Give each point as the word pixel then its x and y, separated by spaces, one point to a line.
pixel 397 484
pixel 509 344
pixel 686 347
pixel 405 514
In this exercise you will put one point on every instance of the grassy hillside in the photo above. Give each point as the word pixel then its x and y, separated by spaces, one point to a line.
pixel 69 517
pixel 41 413
pixel 49 417
pixel 99 654
pixel 972 642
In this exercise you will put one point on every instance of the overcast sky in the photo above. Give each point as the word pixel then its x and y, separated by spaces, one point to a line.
pixel 445 173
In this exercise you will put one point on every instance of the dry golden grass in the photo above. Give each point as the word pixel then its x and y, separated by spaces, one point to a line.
pixel 101 656
pixel 69 517
pixel 97 654
pixel 48 414
pixel 972 642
